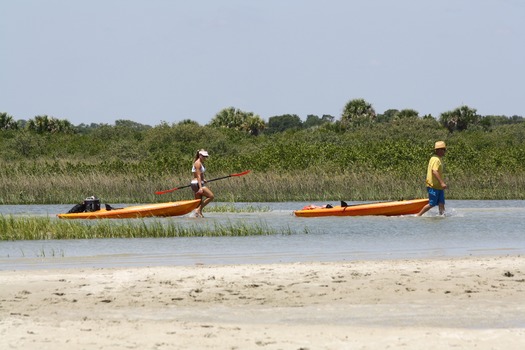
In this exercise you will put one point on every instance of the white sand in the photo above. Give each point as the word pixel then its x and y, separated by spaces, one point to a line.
pixel 459 303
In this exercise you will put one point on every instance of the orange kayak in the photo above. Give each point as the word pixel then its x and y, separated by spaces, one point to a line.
pixel 138 211
pixel 383 208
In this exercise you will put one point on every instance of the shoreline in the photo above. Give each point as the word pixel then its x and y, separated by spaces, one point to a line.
pixel 406 303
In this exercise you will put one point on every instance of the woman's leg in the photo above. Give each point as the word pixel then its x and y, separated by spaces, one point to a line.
pixel 206 192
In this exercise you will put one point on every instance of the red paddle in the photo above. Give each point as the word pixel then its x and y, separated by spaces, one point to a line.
pixel 219 178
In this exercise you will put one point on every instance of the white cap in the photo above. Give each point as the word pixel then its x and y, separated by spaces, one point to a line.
pixel 203 153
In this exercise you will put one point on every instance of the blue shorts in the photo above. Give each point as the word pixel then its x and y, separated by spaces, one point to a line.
pixel 435 196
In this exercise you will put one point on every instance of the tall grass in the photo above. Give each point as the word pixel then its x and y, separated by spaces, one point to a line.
pixel 43 228
pixel 311 185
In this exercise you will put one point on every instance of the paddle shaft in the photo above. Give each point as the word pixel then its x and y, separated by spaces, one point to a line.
pixel 218 178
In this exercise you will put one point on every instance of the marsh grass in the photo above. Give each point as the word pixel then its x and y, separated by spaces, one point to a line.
pixel 231 208
pixel 314 185
pixel 50 253
pixel 13 228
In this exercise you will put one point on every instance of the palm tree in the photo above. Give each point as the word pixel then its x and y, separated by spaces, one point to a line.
pixel 253 125
pixel 233 118
pixel 43 124
pixel 358 112
pixel 7 122
pixel 459 119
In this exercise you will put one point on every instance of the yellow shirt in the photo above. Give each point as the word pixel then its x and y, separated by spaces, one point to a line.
pixel 434 164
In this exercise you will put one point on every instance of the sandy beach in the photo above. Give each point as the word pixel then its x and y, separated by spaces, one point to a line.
pixel 472 302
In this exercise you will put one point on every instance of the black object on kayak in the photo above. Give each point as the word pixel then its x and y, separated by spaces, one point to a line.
pixel 92 204
pixel 109 207
pixel 88 205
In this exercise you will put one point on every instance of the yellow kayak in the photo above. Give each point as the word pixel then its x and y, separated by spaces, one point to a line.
pixel 383 208
pixel 138 211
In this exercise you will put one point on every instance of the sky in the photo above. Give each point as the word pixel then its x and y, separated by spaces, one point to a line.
pixel 153 61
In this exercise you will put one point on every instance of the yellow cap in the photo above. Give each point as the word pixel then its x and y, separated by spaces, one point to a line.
pixel 440 144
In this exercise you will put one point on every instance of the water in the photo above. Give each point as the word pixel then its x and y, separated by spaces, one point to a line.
pixel 469 228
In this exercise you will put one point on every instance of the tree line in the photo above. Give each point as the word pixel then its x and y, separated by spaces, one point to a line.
pixel 356 113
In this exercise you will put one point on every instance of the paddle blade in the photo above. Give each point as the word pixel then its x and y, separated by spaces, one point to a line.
pixel 166 191
pixel 241 174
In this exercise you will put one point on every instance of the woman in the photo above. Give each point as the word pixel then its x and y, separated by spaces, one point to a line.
pixel 198 184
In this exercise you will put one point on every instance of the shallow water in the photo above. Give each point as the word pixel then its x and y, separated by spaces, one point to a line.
pixel 469 228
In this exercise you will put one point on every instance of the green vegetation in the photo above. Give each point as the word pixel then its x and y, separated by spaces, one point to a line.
pixel 43 228
pixel 363 156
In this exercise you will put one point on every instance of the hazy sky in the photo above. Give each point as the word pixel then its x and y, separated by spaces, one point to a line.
pixel 168 60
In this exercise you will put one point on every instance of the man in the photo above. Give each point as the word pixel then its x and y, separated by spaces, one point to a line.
pixel 435 184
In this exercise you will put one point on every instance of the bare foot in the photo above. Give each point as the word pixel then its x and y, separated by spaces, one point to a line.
pixel 195 214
